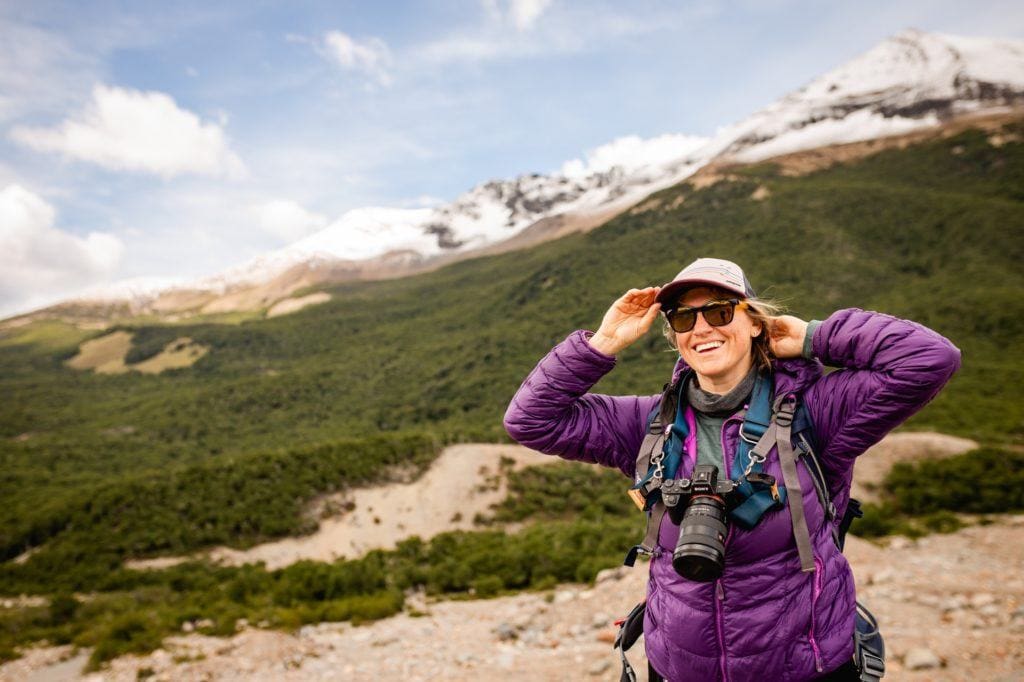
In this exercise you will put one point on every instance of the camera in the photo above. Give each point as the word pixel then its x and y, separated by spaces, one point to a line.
pixel 700 506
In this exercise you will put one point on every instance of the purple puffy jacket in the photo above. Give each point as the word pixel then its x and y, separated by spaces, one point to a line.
pixel 764 618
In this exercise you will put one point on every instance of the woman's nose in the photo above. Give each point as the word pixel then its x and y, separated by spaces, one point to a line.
pixel 700 324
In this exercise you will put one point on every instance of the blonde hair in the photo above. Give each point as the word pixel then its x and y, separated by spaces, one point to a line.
pixel 760 311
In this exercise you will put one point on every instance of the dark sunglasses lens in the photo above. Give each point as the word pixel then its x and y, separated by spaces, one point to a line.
pixel 682 320
pixel 719 315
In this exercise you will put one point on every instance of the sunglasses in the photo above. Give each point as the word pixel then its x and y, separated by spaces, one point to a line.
pixel 716 314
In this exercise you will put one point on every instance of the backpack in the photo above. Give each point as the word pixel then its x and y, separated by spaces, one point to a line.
pixel 788 424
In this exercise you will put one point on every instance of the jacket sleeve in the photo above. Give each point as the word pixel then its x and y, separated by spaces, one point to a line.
pixel 888 369
pixel 553 413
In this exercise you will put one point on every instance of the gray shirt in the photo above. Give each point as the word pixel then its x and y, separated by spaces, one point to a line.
pixel 711 410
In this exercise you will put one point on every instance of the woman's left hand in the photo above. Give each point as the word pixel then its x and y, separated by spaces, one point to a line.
pixel 786 334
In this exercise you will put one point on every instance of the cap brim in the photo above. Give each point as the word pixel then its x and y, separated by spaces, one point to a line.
pixel 671 291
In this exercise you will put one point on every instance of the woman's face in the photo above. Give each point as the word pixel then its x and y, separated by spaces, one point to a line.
pixel 721 356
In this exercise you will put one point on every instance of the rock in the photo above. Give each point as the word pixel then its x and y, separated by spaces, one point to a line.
pixel 466 659
pixel 531 636
pixel 607 636
pixel 204 623
pixel 188 626
pixel 611 574
pixel 599 667
pixel 920 658
pixel 506 660
pixel 600 620
pixel 900 542
pixel 564 596
pixel 506 632
pixel 982 599
pixel 883 576
pixel 242 624
pixel 522 621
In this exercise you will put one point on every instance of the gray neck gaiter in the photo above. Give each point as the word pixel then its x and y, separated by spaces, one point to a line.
pixel 716 405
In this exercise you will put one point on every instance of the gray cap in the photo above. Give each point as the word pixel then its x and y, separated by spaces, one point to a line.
pixel 713 272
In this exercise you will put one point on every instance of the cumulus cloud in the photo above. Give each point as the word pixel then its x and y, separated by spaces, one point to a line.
pixel 525 12
pixel 522 14
pixel 130 130
pixel 371 56
pixel 287 221
pixel 40 263
pixel 631 153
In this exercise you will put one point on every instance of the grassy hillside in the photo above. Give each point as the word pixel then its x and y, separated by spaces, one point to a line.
pixel 94 468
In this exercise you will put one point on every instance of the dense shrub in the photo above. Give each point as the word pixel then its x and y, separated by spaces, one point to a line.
pixel 924 497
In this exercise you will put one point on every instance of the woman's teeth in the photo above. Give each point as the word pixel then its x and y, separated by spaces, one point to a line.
pixel 711 345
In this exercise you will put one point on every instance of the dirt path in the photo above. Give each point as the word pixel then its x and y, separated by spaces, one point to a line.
pixel 465 480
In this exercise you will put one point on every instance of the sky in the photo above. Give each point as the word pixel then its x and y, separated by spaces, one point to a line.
pixel 174 140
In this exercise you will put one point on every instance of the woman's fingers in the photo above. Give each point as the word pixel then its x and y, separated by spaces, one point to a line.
pixel 641 297
pixel 652 313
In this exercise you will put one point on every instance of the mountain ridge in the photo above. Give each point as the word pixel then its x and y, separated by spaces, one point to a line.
pixel 910 82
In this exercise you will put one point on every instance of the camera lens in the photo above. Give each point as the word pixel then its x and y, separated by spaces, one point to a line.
pixel 700 551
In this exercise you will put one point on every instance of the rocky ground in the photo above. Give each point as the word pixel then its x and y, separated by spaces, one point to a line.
pixel 951 608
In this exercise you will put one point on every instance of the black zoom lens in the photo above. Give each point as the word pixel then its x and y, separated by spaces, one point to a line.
pixel 700 551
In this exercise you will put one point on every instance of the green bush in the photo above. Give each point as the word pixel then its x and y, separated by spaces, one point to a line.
pixel 987 480
pixel 925 497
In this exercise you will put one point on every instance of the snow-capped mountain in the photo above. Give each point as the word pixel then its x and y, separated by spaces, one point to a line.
pixel 910 81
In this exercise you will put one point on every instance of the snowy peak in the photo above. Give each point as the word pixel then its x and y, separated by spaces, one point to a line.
pixel 911 80
pixel 913 73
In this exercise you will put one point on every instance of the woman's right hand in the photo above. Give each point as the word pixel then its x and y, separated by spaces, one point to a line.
pixel 627 320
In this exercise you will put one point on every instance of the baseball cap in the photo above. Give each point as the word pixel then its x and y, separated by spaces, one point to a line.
pixel 713 272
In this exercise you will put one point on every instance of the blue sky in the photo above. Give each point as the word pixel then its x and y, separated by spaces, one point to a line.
pixel 177 139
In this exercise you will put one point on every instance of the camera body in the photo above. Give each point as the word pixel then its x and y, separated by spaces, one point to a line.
pixel 700 506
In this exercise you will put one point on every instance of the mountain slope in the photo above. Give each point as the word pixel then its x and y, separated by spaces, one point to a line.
pixel 931 232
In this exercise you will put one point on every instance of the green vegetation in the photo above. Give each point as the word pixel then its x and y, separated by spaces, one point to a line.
pixel 238 500
pixel 926 497
pixel 564 490
pixel 132 611
pixel 95 469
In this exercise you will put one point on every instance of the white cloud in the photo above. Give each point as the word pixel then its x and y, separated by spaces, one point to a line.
pixel 632 152
pixel 422 201
pixel 287 220
pixel 512 30
pixel 525 12
pixel 371 57
pixel 39 70
pixel 40 263
pixel 138 131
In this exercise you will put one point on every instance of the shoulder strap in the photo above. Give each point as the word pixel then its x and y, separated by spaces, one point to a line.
pixel 786 407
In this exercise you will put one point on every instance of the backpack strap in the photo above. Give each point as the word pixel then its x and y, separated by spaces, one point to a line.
pixel 630 629
pixel 784 413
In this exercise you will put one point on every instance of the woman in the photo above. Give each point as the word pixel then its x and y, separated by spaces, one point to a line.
pixel 764 617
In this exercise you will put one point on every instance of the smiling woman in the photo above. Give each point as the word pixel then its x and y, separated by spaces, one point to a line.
pixel 747 577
